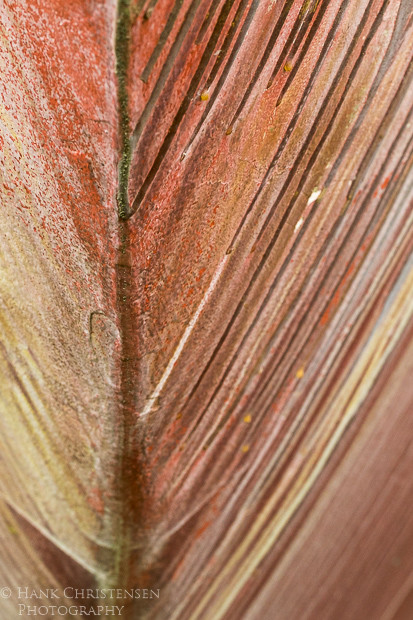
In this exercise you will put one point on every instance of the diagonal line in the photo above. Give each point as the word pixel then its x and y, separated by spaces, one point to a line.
pixel 152 398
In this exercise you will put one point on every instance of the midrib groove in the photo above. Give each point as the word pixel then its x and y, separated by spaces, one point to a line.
pixel 122 40
pixel 128 464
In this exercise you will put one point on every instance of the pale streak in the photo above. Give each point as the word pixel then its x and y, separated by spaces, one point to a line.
pixel 185 336
pixel 371 362
pixel 55 541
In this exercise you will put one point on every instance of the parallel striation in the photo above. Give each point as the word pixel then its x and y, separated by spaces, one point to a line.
pixel 206 308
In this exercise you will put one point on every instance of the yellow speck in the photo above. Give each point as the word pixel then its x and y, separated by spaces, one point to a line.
pixel 247 419
pixel 228 131
pixel 204 96
pixel 288 66
pixel 300 373
pixel 245 448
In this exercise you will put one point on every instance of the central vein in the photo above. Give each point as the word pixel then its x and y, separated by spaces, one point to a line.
pixel 122 38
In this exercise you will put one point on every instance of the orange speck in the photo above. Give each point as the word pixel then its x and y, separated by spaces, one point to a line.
pixel 288 66
pixel 245 448
pixel 204 96
pixel 247 419
pixel 300 373
pixel 385 183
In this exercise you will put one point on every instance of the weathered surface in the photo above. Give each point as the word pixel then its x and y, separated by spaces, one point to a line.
pixel 59 326
pixel 209 394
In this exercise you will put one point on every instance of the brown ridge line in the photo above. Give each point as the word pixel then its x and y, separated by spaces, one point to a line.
pixel 334 462
pixel 384 65
pixel 355 422
pixel 265 256
pixel 308 422
pixel 303 320
pixel 295 38
pixel 173 15
pixel 242 34
pixel 270 370
pixel 232 29
pixel 165 71
pixel 304 424
pixel 321 112
pixel 279 274
pixel 311 135
pixel 150 8
pixel 263 386
pixel 218 63
pixel 296 65
pixel 297 113
pixel 209 17
pixel 386 121
pixel 353 337
pixel 195 81
pixel 264 57
pixel 305 20
pixel 272 395
pixel 207 54
pixel 190 93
